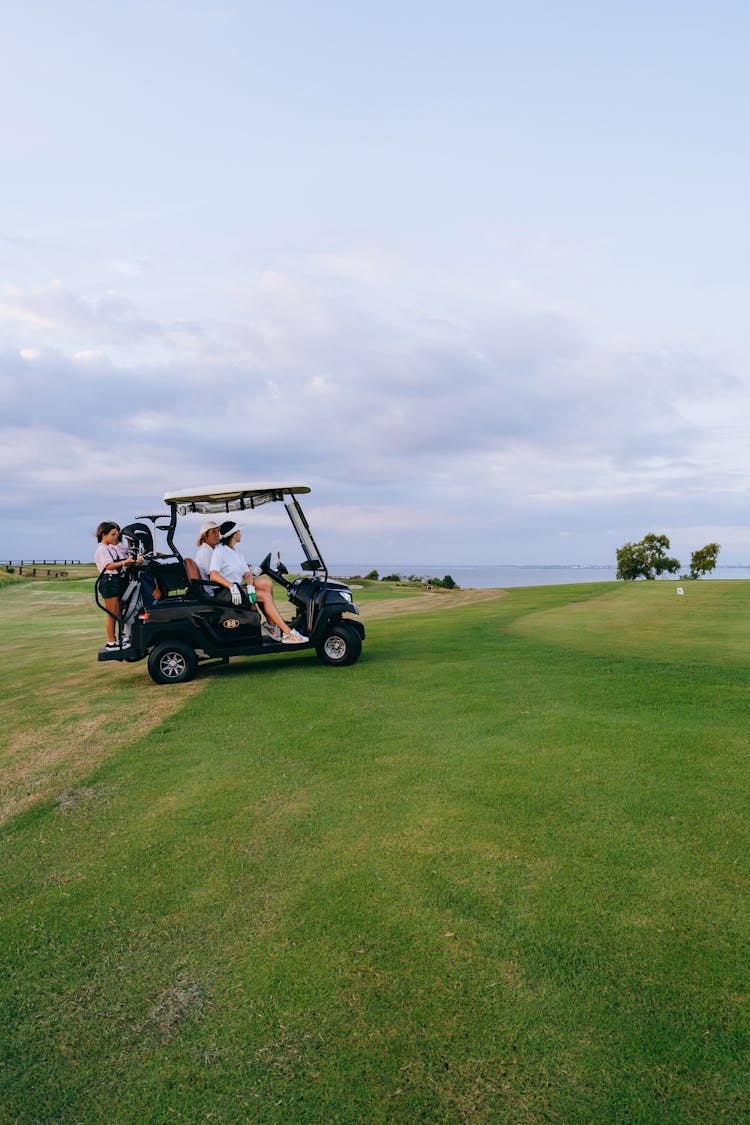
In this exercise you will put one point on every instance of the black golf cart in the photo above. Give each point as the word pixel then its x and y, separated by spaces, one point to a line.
pixel 170 616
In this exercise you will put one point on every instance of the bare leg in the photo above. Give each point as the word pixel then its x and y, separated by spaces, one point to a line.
pixel 264 594
pixel 113 605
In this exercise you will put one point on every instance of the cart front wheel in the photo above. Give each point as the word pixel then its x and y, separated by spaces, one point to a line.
pixel 341 645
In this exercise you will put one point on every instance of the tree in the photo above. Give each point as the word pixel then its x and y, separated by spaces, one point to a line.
pixel 646 559
pixel 632 562
pixel 703 561
pixel 447 583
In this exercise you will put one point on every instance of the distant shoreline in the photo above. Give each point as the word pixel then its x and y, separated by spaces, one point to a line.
pixel 481 576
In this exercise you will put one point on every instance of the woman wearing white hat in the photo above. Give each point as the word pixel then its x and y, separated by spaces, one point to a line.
pixel 229 568
pixel 207 540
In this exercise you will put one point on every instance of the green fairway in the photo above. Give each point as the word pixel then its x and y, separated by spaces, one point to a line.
pixel 497 871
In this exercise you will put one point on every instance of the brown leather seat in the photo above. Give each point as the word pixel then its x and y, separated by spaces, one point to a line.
pixel 196 582
pixel 194 575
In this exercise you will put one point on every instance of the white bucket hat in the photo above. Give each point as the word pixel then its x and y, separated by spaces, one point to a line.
pixel 206 527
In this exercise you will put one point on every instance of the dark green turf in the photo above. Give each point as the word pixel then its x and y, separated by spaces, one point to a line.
pixel 484 875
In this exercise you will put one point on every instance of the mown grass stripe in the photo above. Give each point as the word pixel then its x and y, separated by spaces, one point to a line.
pixel 486 874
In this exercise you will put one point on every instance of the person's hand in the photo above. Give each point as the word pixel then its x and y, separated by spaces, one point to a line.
pixel 236 595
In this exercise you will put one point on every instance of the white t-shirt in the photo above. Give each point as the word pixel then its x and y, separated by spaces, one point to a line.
pixel 107 553
pixel 203 559
pixel 203 562
pixel 229 563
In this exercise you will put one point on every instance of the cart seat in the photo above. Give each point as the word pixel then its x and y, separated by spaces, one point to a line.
pixel 196 583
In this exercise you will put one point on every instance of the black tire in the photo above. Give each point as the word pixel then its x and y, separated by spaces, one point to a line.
pixel 341 645
pixel 172 662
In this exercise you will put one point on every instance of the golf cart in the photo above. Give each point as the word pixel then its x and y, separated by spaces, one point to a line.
pixel 171 616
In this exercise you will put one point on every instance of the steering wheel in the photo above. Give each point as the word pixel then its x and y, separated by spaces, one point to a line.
pixel 278 574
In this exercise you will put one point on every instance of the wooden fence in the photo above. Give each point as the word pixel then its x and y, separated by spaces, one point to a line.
pixel 51 568
pixel 40 562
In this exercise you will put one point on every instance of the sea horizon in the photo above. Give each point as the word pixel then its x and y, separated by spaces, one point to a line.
pixel 499 575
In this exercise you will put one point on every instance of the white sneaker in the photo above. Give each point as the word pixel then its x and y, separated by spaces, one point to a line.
pixel 294 638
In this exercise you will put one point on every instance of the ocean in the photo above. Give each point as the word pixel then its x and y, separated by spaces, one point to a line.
pixel 490 577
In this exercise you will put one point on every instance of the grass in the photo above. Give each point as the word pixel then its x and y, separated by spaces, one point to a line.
pixel 495 872
pixel 61 711
pixel 702 624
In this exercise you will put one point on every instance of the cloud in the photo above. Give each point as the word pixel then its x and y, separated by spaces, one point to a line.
pixel 52 314
pixel 409 422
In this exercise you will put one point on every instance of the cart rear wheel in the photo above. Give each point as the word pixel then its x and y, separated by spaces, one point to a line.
pixel 172 662
pixel 341 645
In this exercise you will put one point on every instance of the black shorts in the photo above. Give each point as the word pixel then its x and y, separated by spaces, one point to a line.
pixel 111 585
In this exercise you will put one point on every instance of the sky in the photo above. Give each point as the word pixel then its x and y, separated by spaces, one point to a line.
pixel 477 273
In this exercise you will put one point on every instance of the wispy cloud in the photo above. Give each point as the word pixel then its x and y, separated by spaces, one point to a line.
pixel 54 314
pixel 520 410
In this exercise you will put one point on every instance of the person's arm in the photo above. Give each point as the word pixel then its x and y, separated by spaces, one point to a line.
pixel 214 569
pixel 233 588
pixel 217 577
pixel 118 564
pixel 104 560
pixel 247 576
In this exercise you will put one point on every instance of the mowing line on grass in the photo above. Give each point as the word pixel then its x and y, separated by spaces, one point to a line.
pixel 63 713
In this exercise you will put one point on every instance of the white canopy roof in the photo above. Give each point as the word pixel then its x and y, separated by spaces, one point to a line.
pixel 230 497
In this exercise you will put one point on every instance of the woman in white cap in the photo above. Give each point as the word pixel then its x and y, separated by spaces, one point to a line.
pixel 207 540
pixel 230 569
